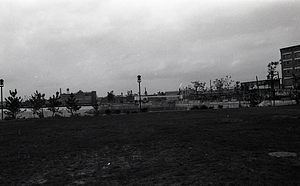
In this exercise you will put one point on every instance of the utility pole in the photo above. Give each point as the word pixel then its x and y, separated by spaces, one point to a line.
pixel 210 89
pixel 1 85
pixel 139 80
pixel 271 74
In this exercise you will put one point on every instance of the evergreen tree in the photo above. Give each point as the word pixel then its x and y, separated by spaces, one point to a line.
pixel 37 102
pixel 72 104
pixel 54 104
pixel 110 96
pixel 13 104
pixel 96 108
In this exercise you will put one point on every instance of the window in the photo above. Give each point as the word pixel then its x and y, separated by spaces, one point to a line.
pixel 288 82
pixel 287 63
pixel 297 55
pixel 287 56
pixel 297 62
pixel 288 72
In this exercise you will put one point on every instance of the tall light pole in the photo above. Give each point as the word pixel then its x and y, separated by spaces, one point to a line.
pixel 1 85
pixel 139 80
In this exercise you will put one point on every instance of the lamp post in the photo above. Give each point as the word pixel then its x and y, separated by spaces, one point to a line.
pixel 1 85
pixel 139 80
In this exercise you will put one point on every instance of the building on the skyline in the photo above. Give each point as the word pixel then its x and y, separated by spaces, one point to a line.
pixel 290 65
pixel 260 87
pixel 85 98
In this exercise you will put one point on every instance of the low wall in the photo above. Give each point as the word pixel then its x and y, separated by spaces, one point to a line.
pixel 230 104
pixel 226 104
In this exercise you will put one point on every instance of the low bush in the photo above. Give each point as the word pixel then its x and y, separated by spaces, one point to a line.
pixel 195 108
pixel 204 107
pixel 144 109
pixel 96 112
pixel 8 118
pixel 117 111
pixel 57 115
pixel 77 114
pixel 107 111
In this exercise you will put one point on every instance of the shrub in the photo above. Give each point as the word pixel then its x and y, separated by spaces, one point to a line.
pixel 204 107
pixel 96 112
pixel 195 108
pixel 254 100
pixel 107 111
pixel 117 112
pixel 76 115
pixel 253 103
pixel 8 118
pixel 57 116
pixel 144 109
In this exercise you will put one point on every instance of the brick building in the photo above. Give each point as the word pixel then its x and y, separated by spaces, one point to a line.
pixel 85 98
pixel 290 65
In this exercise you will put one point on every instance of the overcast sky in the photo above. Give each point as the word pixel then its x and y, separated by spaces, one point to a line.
pixel 103 45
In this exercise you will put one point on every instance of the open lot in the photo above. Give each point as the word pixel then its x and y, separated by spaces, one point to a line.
pixel 200 147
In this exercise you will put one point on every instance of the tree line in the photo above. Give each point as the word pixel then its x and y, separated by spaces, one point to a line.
pixel 13 104
pixel 38 101
pixel 224 84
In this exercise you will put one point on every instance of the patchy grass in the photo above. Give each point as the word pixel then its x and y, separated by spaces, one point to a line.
pixel 201 147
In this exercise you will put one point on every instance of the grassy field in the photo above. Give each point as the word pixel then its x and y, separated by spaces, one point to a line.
pixel 200 147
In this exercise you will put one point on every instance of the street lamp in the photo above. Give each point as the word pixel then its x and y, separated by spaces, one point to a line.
pixel 1 85
pixel 139 80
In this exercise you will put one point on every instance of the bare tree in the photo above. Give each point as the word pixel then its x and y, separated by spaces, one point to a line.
pixel 199 85
pixel 223 84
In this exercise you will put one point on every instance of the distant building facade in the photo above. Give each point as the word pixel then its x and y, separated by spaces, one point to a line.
pixel 290 65
pixel 85 98
pixel 260 87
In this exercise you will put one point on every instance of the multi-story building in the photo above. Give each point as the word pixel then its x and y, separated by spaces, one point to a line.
pixel 290 65
pixel 84 98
